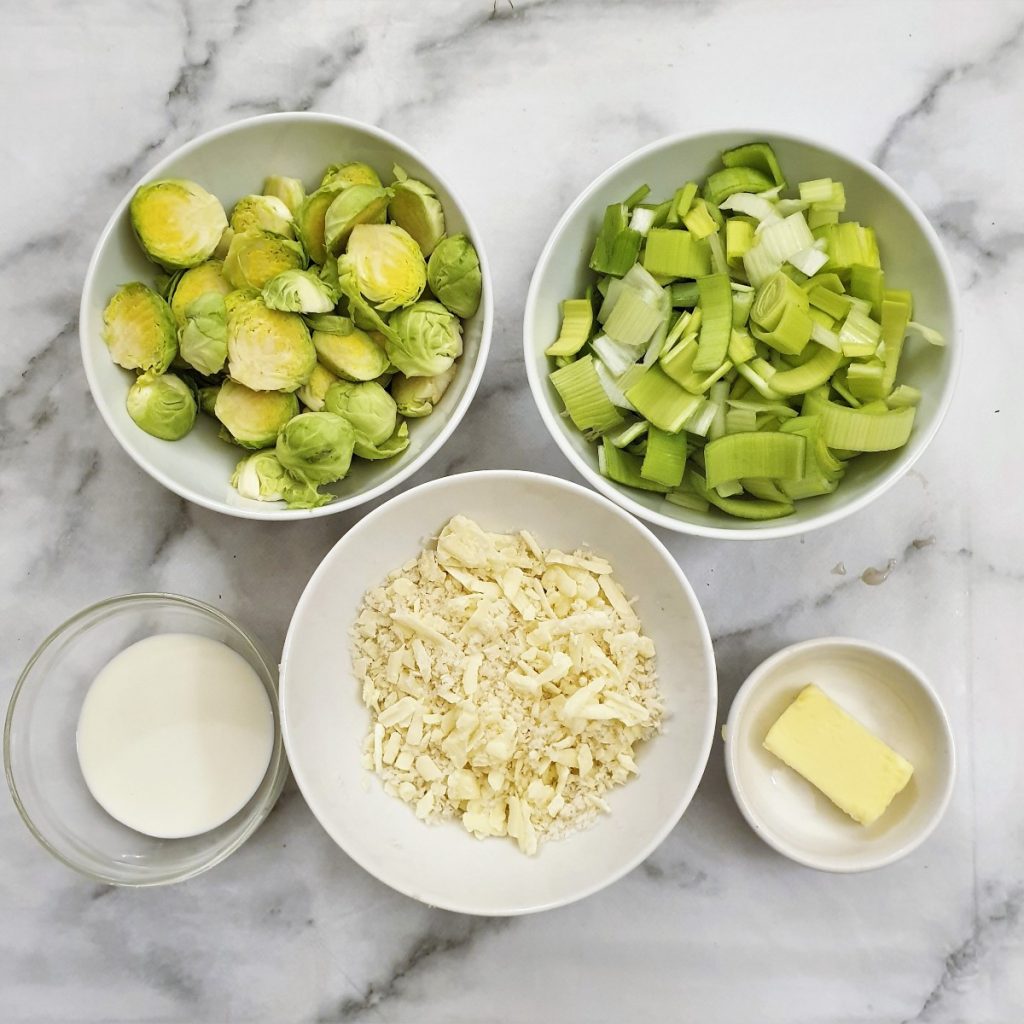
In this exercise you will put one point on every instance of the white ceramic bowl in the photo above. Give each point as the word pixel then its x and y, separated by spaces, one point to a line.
pixel 232 162
pixel 911 253
pixel 886 694
pixel 324 721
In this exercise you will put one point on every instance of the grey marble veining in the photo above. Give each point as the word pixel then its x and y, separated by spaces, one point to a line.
pixel 521 107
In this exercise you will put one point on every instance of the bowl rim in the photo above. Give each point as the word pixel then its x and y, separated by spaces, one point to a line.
pixel 270 511
pixel 277 768
pixel 709 682
pixel 618 494
pixel 794 852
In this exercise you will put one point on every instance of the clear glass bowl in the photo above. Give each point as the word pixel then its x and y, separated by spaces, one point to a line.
pixel 41 760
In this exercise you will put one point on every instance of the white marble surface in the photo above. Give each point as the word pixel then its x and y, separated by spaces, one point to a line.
pixel 522 108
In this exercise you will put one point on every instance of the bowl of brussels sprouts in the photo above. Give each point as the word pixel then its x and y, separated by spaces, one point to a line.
pixel 286 317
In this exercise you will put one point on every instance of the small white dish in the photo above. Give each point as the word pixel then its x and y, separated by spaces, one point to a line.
pixel 325 722
pixel 913 258
pixel 231 162
pixel 886 694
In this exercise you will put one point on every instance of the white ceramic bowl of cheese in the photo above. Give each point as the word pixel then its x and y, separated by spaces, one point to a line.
pixel 324 721
pixel 892 699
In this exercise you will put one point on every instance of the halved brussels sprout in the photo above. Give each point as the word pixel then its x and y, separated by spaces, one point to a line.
pixel 262 213
pixel 316 447
pixel 416 208
pixel 253 419
pixel 314 391
pixel 394 445
pixel 178 223
pixel 299 291
pixel 358 204
pixel 344 175
pixel 290 191
pixel 387 263
pixel 428 339
pixel 224 244
pixel 353 356
pixel 417 396
pixel 453 274
pixel 261 477
pixel 139 329
pixel 367 406
pixel 309 221
pixel 208 398
pixel 254 257
pixel 203 341
pixel 268 350
pixel 190 284
pixel 162 405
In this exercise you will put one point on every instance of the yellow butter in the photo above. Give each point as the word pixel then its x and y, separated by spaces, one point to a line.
pixel 857 771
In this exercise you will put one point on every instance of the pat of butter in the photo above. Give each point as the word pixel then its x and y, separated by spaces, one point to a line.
pixel 834 752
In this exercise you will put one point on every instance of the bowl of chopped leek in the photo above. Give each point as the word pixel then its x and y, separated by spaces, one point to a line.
pixel 740 334
pixel 286 317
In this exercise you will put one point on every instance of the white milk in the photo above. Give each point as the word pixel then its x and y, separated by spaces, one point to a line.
pixel 175 735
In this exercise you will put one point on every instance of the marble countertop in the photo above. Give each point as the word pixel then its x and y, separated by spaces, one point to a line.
pixel 521 107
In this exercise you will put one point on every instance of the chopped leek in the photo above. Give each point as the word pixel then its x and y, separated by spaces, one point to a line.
pixel 577 321
pixel 617 245
pixel 698 220
pixel 758 155
pixel 624 436
pixel 749 343
pixel 856 430
pixel 774 455
pixel 584 397
pixel 661 401
pixel 633 320
pixel 624 468
pixel 665 458
pixel 716 321
pixel 672 252
pixel 929 334
pixel 730 180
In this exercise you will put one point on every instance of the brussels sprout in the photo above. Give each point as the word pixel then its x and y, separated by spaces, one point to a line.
pixel 203 342
pixel 314 391
pixel 428 340
pixel 290 191
pixel 358 204
pixel 316 447
pixel 138 329
pixel 190 284
pixel 353 356
pixel 224 244
pixel 178 223
pixel 329 275
pixel 254 257
pixel 344 175
pixel 162 404
pixel 309 221
pixel 261 477
pixel 299 291
pixel 208 398
pixel 268 350
pixel 417 396
pixel 367 406
pixel 262 213
pixel 253 419
pixel 416 208
pixel 388 266
pixel 453 274
pixel 394 445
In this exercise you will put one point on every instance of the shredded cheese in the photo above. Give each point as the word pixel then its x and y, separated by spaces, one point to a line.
pixel 508 686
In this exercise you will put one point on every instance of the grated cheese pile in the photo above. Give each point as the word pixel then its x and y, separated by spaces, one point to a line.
pixel 508 686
